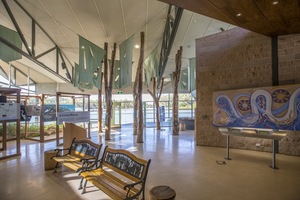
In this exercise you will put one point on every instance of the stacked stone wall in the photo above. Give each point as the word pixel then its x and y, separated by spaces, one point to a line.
pixel 237 59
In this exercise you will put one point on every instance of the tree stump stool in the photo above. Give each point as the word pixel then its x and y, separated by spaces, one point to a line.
pixel 162 192
pixel 48 162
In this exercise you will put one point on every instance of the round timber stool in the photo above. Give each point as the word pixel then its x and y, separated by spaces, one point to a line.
pixel 162 192
pixel 48 162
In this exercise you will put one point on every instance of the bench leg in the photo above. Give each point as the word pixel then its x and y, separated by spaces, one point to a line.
pixel 80 185
pixel 84 187
pixel 54 170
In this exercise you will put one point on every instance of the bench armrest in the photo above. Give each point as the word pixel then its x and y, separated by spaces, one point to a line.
pixel 128 187
pixel 87 164
pixel 58 153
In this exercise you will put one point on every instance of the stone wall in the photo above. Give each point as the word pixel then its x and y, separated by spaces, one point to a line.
pixel 237 59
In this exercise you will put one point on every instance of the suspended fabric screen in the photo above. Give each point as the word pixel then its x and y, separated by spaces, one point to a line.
pixel 88 72
pixel 117 74
pixel 7 54
pixel 184 80
pixel 151 65
pixel 126 49
pixel 192 74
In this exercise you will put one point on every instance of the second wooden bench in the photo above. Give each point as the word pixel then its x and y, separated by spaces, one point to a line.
pixel 121 174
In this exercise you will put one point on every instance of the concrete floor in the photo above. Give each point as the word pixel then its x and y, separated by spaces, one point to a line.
pixel 192 171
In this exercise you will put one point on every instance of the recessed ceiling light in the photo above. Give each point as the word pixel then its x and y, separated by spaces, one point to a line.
pixel 275 2
pixel 137 46
pixel 239 14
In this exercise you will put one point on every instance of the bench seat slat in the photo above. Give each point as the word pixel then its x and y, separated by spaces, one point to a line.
pixel 108 183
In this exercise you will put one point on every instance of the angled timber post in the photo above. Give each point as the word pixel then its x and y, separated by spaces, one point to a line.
pixel 108 78
pixel 176 76
pixel 137 95
pixel 100 110
pixel 156 97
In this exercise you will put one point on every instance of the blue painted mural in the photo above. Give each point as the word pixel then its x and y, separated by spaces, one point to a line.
pixel 271 107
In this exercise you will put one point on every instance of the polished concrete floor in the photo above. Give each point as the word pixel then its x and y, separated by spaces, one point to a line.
pixel 192 171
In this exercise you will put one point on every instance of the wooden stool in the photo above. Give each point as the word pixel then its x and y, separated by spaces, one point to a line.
pixel 162 192
pixel 48 162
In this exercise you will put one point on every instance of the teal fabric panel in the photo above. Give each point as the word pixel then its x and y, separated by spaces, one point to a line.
pixel 117 74
pixel 151 65
pixel 192 77
pixel 126 49
pixel 90 64
pixel 76 76
pixel 7 54
pixel 183 81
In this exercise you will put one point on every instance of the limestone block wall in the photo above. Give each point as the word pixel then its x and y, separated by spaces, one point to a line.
pixel 238 59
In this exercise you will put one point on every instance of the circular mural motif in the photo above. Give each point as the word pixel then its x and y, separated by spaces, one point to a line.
pixel 281 96
pixel 244 105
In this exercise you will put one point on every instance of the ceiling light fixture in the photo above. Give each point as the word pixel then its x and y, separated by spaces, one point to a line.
pixel 275 2
pixel 239 14
pixel 137 46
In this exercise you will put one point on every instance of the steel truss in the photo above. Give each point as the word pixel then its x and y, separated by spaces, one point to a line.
pixel 171 26
pixel 30 51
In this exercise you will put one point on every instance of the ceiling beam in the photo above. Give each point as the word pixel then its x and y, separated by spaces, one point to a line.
pixel 171 26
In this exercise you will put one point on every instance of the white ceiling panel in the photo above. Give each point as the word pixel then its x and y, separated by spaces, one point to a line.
pixel 101 21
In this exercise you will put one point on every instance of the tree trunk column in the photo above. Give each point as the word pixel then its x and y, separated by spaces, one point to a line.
pixel 176 76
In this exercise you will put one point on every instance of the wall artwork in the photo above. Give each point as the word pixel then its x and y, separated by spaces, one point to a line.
pixel 269 107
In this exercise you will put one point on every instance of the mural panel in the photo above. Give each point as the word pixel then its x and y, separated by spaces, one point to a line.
pixel 269 107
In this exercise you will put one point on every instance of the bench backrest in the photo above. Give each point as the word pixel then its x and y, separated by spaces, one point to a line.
pixel 125 163
pixel 85 148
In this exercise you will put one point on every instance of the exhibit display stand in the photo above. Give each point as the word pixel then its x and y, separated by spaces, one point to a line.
pixel 73 116
pixel 10 112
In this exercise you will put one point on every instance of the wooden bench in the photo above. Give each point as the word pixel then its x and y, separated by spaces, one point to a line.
pixel 80 156
pixel 121 174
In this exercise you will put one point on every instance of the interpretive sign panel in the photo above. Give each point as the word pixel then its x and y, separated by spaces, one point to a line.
pixel 73 117
pixel 33 110
pixel 49 111
pixel 9 111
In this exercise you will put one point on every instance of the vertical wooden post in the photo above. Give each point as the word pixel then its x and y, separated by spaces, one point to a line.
pixel 100 107
pixel 18 127
pixel 176 76
pixel 108 78
pixel 89 123
pixel 57 111
pixel 26 123
pixel 42 126
pixel 4 135
pixel 140 137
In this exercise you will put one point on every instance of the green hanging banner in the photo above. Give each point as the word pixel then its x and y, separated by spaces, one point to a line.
pixel 183 81
pixel 90 64
pixel 117 74
pixel 126 49
pixel 192 77
pixel 7 54
pixel 151 65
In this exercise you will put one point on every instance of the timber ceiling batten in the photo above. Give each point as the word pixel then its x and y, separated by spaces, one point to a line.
pixel 85 34
pixel 188 28
pixel 101 21
pixel 58 24
pixel 123 17
pixel 268 17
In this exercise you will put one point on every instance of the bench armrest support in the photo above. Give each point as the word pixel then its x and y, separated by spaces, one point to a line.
pixel 128 187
